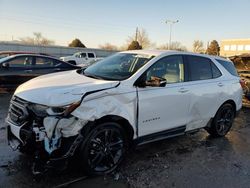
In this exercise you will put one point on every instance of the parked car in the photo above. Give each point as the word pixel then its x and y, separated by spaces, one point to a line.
pixel 132 97
pixel 83 59
pixel 17 69
pixel 9 53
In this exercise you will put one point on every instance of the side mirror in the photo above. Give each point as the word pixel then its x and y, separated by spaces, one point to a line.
pixel 156 82
pixel 5 65
pixel 153 82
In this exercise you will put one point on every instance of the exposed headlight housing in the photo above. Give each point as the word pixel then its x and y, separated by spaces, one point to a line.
pixel 42 110
pixel 64 110
pixel 39 110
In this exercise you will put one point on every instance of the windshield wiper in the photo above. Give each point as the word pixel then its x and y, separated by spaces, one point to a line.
pixel 92 76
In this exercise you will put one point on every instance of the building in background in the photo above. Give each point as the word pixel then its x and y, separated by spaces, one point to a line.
pixel 234 47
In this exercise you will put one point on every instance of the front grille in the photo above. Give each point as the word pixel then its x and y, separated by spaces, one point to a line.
pixel 18 113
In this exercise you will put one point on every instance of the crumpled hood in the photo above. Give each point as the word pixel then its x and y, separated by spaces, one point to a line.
pixel 61 88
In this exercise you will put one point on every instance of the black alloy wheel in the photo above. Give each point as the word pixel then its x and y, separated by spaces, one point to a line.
pixel 104 148
pixel 222 121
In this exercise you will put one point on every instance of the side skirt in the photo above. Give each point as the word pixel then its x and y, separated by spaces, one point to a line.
pixel 161 135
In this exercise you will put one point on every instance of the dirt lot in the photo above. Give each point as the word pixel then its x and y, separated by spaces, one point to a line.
pixel 187 161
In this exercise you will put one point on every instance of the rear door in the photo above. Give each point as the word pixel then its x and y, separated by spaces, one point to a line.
pixel 46 65
pixel 90 58
pixel 206 89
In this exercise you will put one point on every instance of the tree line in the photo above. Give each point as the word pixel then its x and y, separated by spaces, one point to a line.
pixel 139 40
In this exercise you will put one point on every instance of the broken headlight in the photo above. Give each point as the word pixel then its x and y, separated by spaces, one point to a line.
pixel 39 110
pixel 64 110
pixel 42 110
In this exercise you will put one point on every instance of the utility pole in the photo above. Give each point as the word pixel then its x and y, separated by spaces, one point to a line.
pixel 171 23
pixel 136 34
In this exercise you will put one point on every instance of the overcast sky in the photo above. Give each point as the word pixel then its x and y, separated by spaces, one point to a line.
pixel 97 22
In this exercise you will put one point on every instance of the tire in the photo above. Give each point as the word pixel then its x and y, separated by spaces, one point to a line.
pixel 103 149
pixel 222 121
pixel 72 62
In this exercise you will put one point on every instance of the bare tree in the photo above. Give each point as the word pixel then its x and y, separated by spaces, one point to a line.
pixel 108 46
pixel 174 46
pixel 37 39
pixel 198 46
pixel 141 37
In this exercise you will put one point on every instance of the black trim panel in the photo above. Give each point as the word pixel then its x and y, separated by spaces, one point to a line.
pixel 161 135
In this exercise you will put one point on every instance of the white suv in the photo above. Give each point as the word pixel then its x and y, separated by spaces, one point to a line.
pixel 130 97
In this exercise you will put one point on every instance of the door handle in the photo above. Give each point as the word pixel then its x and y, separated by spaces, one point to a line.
pixel 28 71
pixel 220 84
pixel 57 69
pixel 183 90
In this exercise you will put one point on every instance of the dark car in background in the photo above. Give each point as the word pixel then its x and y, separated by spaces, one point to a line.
pixel 9 53
pixel 17 69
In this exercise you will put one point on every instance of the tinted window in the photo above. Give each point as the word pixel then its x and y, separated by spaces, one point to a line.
pixel 170 68
pixel 82 55
pixel 199 68
pixel 229 66
pixel 216 72
pixel 44 62
pixel 21 61
pixel 91 55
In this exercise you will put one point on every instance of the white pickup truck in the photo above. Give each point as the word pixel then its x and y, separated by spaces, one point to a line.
pixel 83 59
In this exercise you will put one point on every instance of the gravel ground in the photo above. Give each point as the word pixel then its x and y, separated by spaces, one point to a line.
pixel 187 161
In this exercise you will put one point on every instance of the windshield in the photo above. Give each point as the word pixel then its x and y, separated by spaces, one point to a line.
pixel 117 67
pixel 5 58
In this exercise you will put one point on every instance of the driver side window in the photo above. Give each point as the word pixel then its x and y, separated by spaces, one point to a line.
pixel 170 68
pixel 22 61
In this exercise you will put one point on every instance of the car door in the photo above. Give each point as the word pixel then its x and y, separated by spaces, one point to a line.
pixel 46 65
pixel 163 108
pixel 82 58
pixel 206 90
pixel 91 57
pixel 16 71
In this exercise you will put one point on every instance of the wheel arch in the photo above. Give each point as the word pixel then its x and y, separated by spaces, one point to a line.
pixel 230 101
pixel 117 119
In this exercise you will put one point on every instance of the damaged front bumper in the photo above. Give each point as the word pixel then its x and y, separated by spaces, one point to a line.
pixel 49 139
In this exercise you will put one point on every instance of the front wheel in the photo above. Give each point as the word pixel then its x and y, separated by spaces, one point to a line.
pixel 103 149
pixel 222 121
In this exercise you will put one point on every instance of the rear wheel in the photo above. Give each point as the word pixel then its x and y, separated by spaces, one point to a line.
pixel 222 121
pixel 103 149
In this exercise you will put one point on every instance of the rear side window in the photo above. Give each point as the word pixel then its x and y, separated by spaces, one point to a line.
pixel 216 72
pixel 229 66
pixel 199 68
pixel 91 55
pixel 44 62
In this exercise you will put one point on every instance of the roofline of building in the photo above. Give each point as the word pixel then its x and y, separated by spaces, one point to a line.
pixel 225 40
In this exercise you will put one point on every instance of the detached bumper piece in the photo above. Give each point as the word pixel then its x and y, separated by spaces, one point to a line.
pixel 13 141
pixel 58 159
